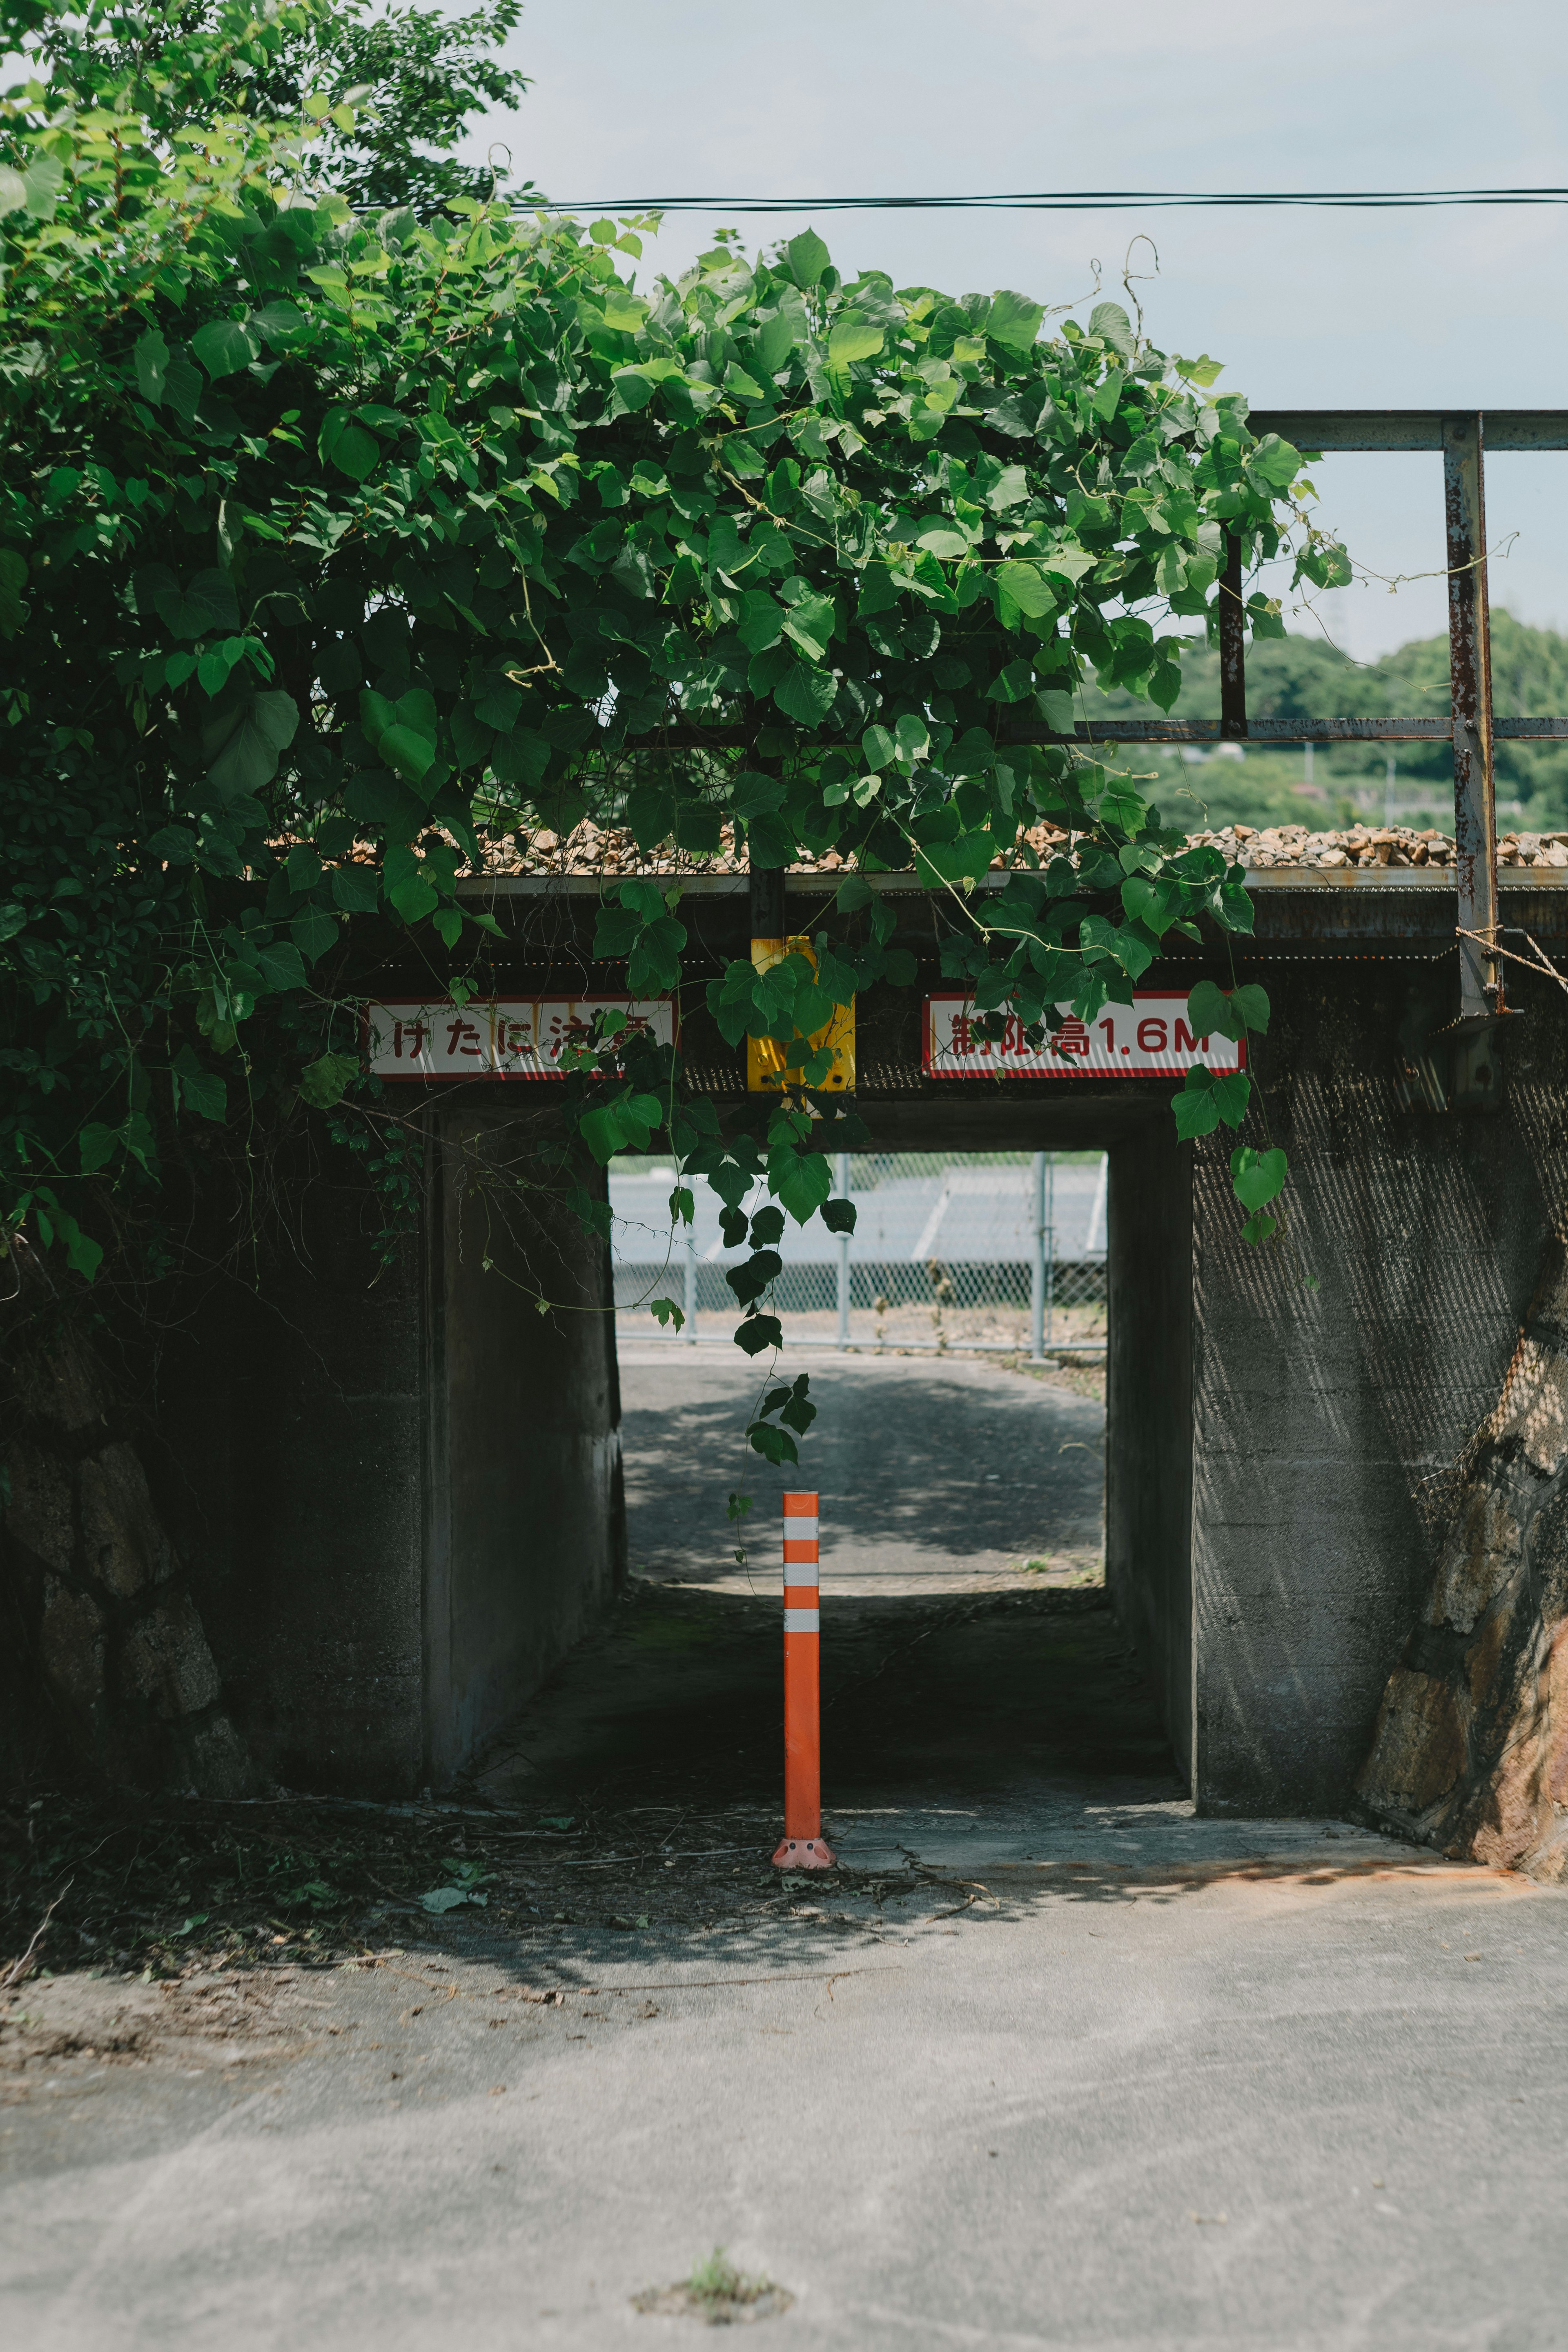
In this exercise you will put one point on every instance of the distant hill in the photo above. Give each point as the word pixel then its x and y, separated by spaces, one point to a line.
pixel 1302 677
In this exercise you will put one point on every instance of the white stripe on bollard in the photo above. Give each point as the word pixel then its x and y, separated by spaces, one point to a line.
pixel 803 1571
pixel 803 1621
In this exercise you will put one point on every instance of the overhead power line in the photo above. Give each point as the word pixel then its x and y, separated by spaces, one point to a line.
pixel 1065 200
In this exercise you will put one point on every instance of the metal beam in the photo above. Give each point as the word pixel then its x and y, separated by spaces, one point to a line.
pixel 1471 697
pixel 1407 428
pixel 1232 646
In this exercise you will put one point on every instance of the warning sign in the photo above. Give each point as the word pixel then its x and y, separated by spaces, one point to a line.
pixel 1149 1038
pixel 495 1037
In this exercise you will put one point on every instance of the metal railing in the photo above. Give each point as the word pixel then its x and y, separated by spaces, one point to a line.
pixel 954 1253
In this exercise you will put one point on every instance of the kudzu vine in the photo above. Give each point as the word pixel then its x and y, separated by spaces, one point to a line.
pixel 335 547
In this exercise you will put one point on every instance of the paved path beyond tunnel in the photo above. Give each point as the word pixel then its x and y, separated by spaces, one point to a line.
pixel 936 1475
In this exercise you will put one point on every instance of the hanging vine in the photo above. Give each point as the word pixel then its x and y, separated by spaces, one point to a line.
pixel 334 546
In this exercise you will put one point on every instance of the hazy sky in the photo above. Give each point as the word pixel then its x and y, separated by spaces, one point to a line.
pixel 649 98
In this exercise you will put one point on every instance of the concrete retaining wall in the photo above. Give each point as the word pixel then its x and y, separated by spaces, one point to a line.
pixel 397 1489
pixel 1328 1421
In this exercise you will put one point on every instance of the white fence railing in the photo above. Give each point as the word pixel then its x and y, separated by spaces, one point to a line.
pixel 950 1251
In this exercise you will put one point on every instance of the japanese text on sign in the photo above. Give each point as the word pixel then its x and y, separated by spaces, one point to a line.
pixel 1151 1038
pixel 498 1037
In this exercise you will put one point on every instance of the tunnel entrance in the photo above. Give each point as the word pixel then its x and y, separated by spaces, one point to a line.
pixel 999 1360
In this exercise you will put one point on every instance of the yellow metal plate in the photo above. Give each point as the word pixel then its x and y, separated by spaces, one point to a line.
pixel 764 1058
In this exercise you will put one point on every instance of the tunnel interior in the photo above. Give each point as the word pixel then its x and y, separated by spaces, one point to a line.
pixel 1006 1555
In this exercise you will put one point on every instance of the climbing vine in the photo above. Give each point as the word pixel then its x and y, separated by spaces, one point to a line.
pixel 335 545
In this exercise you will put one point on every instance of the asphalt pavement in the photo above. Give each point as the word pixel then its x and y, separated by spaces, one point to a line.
pixel 1046 2061
pixel 1291 2105
pixel 935 1475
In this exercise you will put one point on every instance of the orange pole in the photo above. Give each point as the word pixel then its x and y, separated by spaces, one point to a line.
pixel 803 1846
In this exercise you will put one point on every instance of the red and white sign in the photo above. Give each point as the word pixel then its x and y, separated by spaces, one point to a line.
pixel 494 1037
pixel 1150 1038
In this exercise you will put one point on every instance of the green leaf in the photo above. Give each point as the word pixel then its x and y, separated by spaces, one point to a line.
pixel 151 354
pixel 1276 461
pixel 749 1281
pixel 838 1216
pixel 207 1094
pixel 1231 1096
pixel 1258 1177
pixel 851 338
pixel 760 1331
pixel 1110 322
pixel 184 387
pixel 1058 710
pixel 410 755
pixel 356 453
pixel 313 931
pixel 201 609
pixel 806 693
pixel 325 1081
pixel 1197 1111
pixel 347 446
pixel 1030 592
pixel 248 759
pixel 811 622
pixel 14 607
pixel 1014 322
pixel 275 321
pixel 42 181
pixel 1212 1013
pixel 775 341
pixel 808 258
pixel 223 345
pixel 911 736
pixel 775 1446
pixel 280 966
pixel 355 889
pixel 172 845
pixel 1259 1229
pixel 803 1184
pixel 96 1144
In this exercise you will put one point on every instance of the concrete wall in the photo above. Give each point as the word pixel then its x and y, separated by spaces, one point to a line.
pixel 1149 1406
pixel 525 1514
pixel 396 1490
pixel 1327 1420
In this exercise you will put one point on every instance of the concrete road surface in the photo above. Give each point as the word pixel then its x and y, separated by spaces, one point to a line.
pixel 935 1476
pixel 1045 2063
pixel 1296 2105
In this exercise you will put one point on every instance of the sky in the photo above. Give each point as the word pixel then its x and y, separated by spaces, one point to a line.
pixel 1464 309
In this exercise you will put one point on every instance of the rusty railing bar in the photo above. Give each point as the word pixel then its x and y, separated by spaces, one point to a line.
pixel 1470 700
pixel 1327 429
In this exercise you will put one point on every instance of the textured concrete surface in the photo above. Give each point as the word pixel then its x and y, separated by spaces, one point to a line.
pixel 1294 2106
pixel 935 1476
pixel 1047 2061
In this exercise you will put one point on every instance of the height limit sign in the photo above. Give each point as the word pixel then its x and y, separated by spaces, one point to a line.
pixel 1149 1038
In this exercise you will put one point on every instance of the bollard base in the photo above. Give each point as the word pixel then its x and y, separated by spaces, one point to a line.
pixel 805 1853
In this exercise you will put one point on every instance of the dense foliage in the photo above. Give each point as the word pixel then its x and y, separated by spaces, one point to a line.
pixel 391 91
pixel 333 543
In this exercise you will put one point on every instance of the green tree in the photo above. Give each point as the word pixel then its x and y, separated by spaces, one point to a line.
pixel 332 543
pixel 400 85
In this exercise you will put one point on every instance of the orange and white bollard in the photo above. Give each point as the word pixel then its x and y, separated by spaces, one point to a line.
pixel 803 1847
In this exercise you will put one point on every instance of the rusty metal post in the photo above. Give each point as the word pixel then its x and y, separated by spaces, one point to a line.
pixel 1232 647
pixel 1475 798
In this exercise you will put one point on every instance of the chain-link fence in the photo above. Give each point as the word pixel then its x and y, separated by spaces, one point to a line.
pixel 996 1250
